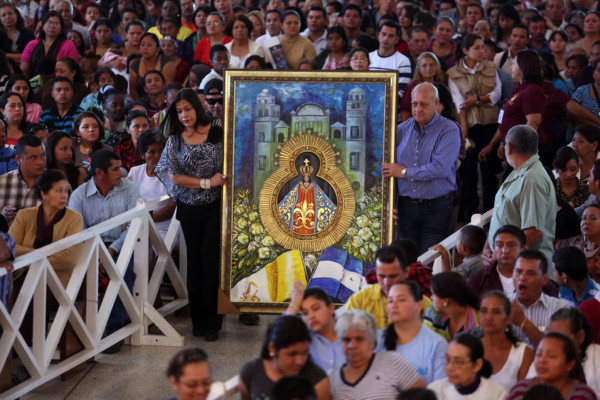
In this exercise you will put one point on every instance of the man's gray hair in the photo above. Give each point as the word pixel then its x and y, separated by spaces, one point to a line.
pixel 359 320
pixel 524 139
pixel 426 85
pixel 65 1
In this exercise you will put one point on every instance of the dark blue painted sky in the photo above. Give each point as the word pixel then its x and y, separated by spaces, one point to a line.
pixel 290 96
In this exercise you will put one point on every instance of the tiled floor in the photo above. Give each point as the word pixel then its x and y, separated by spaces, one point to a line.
pixel 138 372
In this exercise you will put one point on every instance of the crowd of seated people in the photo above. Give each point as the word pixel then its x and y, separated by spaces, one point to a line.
pixel 93 93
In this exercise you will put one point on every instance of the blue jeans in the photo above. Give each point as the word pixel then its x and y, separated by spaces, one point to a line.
pixel 426 223
pixel 118 317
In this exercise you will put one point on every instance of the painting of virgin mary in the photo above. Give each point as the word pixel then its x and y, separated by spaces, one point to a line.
pixel 306 209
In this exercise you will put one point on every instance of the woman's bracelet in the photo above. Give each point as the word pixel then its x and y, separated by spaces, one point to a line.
pixel 523 324
pixel 205 183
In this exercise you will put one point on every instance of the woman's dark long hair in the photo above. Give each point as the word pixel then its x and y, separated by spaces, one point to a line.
pixel 4 100
pixel 342 33
pixel 153 37
pixel 81 47
pixel 90 114
pixel 390 337
pixel 49 177
pixel 508 11
pixel 476 352
pixel 570 351
pixel 102 21
pixel 62 35
pixel 73 66
pixel 530 64
pixel 285 331
pixel 507 307
pixel 451 285
pixel 550 69
pixel 465 44
pixel 445 96
pixel 20 20
pixel 72 170
pixel 173 127
pixel 577 323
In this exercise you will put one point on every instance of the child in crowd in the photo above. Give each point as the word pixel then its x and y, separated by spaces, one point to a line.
pixel 219 59
pixel 470 243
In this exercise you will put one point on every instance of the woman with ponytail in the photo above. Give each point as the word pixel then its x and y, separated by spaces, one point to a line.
pixel 574 324
pixel 557 363
pixel 510 358
pixel 468 372
pixel 408 336
pixel 454 308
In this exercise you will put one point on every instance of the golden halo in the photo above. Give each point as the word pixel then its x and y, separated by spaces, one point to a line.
pixel 328 171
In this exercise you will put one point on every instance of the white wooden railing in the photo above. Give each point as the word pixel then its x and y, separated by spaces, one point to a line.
pixel 142 238
pixel 449 243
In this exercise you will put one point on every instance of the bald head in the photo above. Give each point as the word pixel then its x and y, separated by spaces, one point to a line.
pixel 427 89
pixel 425 99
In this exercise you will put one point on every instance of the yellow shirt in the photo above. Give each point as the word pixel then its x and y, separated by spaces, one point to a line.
pixel 371 299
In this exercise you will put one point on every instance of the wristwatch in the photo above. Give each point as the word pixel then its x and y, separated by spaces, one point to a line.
pixel 403 173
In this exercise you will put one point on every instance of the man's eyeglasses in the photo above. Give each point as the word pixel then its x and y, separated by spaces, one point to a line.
pixel 212 102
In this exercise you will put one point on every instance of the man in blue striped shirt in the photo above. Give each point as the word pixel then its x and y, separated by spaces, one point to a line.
pixel 427 154
pixel 61 117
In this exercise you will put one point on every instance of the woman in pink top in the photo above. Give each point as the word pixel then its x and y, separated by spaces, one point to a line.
pixel 52 43
pixel 20 84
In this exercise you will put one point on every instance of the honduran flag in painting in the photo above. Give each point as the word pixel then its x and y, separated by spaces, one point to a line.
pixel 339 274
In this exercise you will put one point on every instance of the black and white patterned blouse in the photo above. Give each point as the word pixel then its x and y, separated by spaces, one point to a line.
pixel 201 161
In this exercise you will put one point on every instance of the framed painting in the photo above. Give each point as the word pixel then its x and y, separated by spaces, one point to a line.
pixel 306 200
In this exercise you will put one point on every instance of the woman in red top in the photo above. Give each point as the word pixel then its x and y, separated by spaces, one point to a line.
pixel 215 26
pixel 527 103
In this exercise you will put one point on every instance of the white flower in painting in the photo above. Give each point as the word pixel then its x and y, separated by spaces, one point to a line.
pixel 365 233
pixel 242 223
pixel 264 252
pixel 257 229
pixel 243 238
pixel 268 241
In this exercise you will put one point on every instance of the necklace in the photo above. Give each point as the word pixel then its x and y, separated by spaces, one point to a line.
pixel 385 313
pixel 589 246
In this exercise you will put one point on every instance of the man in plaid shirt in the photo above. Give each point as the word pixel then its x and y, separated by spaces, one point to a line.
pixel 16 187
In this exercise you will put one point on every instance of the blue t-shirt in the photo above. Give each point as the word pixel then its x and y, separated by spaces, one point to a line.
pixel 591 290
pixel 426 353
pixel 326 354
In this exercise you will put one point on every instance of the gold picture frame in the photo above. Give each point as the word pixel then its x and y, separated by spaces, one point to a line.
pixel 303 153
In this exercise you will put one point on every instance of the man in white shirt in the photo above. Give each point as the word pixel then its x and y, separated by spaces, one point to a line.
pixel 519 39
pixel 388 58
pixel 65 9
pixel 273 25
pixel 531 308
pixel 317 28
